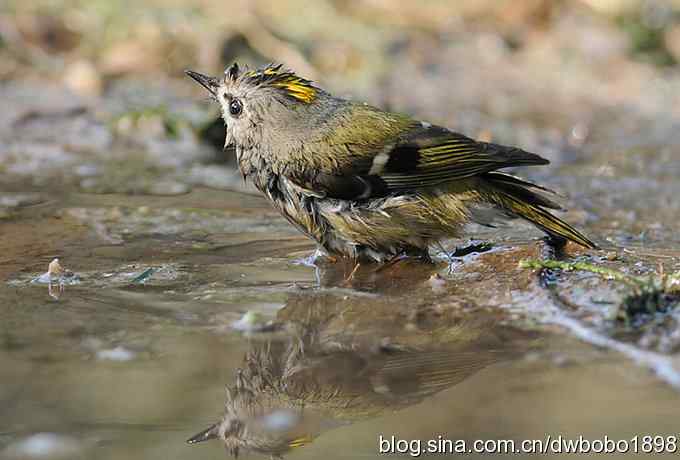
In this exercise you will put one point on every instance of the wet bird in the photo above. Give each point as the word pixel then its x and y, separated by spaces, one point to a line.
pixel 366 183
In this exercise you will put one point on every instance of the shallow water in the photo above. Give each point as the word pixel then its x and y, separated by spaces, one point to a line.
pixel 127 369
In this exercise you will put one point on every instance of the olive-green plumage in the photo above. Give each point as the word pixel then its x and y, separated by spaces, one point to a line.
pixel 366 183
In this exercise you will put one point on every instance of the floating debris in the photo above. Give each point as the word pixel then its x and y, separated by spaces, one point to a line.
pixel 57 274
pixel 144 276
pixel 55 268
pixel 56 278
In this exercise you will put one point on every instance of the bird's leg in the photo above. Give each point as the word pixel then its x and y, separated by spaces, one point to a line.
pixel 552 248
pixel 403 256
pixel 472 248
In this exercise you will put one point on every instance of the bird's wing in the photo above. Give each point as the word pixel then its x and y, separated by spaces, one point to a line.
pixel 434 155
pixel 411 157
pixel 418 374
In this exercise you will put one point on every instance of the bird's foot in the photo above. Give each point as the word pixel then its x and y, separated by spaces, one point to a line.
pixel 472 248
pixel 475 247
pixel 423 257
pixel 317 258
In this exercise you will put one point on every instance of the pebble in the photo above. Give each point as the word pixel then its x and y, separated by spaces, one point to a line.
pixel 83 78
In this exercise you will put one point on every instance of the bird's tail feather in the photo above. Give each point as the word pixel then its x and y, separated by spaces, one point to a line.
pixel 517 196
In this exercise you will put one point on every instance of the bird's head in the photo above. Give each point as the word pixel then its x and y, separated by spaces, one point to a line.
pixel 253 421
pixel 229 430
pixel 257 104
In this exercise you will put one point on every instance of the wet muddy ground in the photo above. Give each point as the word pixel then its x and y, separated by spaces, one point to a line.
pixel 177 274
pixel 123 367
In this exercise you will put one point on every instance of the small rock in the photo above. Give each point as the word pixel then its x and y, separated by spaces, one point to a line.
pixel 611 256
pixel 83 78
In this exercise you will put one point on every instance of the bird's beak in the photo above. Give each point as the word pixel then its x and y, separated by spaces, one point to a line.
pixel 209 83
pixel 205 435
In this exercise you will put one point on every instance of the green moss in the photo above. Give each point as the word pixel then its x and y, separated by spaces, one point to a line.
pixel 647 296
pixel 651 298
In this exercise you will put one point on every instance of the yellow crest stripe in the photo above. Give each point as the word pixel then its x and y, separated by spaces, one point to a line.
pixel 293 86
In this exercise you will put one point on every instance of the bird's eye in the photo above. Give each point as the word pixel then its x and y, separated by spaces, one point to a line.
pixel 235 107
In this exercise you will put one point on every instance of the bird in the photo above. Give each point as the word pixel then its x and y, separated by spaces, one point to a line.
pixel 365 183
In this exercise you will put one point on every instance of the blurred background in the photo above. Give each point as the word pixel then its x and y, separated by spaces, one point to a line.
pixel 112 161
pixel 545 64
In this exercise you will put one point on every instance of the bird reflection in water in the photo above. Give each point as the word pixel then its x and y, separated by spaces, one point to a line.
pixel 321 376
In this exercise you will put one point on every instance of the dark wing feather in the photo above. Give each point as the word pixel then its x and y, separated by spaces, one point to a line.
pixel 523 189
pixel 435 155
pixel 421 156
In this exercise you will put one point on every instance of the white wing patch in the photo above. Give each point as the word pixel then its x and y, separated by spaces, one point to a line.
pixel 381 160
